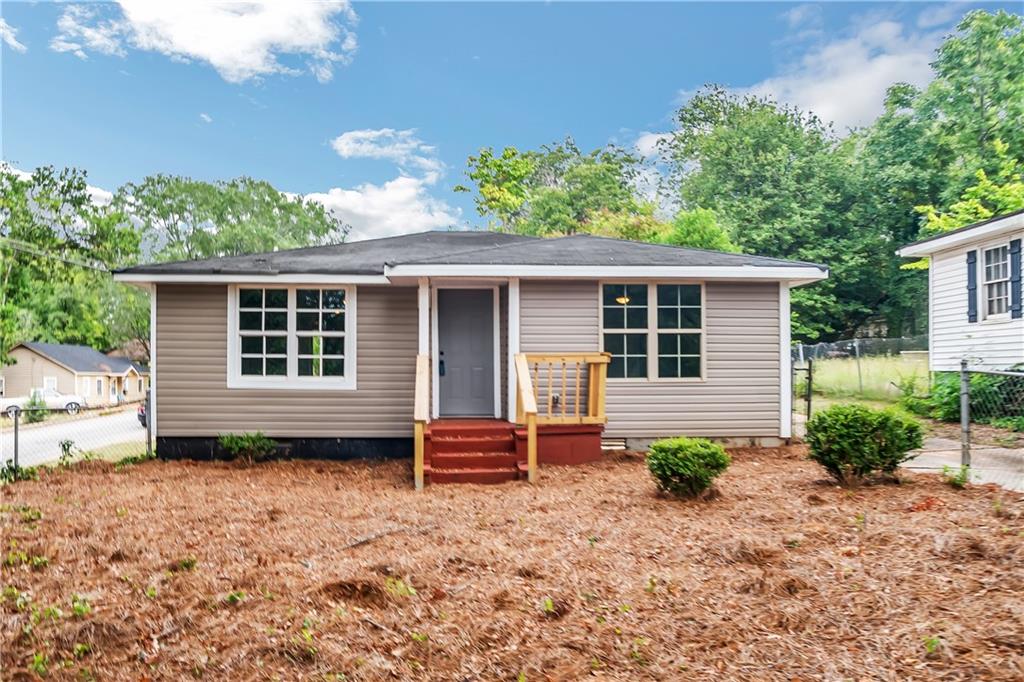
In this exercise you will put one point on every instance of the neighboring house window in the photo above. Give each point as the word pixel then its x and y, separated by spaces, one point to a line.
pixel 99 388
pixel 679 350
pixel 49 383
pixel 653 331
pixel 140 385
pixel 996 273
pixel 3 385
pixel 294 337
pixel 86 387
pixel 625 327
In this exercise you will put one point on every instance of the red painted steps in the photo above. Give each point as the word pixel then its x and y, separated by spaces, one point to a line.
pixel 470 451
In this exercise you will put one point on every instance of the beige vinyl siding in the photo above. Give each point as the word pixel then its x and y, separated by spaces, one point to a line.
pixel 986 344
pixel 28 371
pixel 740 394
pixel 192 394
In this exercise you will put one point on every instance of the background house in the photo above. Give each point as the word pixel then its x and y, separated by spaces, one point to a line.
pixel 974 294
pixel 99 379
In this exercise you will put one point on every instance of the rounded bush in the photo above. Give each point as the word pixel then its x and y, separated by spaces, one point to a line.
pixel 853 442
pixel 685 467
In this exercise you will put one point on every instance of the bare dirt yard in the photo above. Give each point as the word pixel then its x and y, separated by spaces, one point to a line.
pixel 317 570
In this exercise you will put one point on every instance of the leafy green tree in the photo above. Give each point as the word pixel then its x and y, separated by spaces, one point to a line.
pixel 986 198
pixel 699 229
pixel 56 244
pixel 977 95
pixel 557 190
pixel 182 218
pixel 781 184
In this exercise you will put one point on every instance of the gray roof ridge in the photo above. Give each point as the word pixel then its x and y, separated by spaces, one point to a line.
pixel 787 261
pixel 527 239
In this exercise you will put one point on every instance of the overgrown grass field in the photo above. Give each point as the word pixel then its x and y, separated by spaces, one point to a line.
pixel 870 378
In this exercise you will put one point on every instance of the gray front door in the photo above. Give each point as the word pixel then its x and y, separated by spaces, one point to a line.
pixel 465 342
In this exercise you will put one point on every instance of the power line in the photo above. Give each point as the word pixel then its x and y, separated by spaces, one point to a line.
pixel 25 247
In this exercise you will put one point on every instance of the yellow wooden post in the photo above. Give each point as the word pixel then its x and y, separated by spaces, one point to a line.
pixel 418 456
pixel 602 375
pixel 531 447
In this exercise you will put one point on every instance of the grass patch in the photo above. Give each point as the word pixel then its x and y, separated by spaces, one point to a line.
pixel 877 379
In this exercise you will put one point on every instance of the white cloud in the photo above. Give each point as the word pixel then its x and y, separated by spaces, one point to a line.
pixel 940 15
pixel 98 195
pixel 844 80
pixel 397 206
pixel 400 146
pixel 647 143
pixel 9 35
pixel 242 41
pixel 205 118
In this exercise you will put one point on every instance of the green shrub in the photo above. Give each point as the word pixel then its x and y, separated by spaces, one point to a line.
pixel 251 447
pixel 1009 423
pixel 853 442
pixel 993 396
pixel 35 409
pixel 685 467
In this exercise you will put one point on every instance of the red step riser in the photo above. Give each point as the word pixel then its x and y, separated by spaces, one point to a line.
pixel 484 476
pixel 476 460
pixel 467 444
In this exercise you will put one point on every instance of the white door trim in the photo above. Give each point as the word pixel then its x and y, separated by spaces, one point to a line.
pixel 435 379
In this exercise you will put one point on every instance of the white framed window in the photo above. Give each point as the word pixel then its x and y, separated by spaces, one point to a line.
pixel 99 388
pixel 995 290
pixel 140 385
pixel 291 337
pixel 50 384
pixel 653 331
pixel 3 385
pixel 86 387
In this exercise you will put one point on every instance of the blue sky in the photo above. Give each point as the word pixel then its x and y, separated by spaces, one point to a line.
pixel 373 108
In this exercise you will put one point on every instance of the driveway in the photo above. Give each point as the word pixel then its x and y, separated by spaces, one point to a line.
pixel 989 464
pixel 40 444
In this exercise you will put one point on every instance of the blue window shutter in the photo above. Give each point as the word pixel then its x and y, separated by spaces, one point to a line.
pixel 972 286
pixel 1015 292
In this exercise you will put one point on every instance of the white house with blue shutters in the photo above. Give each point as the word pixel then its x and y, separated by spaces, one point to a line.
pixel 974 294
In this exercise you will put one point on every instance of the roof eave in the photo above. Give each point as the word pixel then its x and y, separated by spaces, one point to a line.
pixel 942 242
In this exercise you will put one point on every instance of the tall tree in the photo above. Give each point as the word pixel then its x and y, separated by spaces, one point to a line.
pixel 182 218
pixel 781 184
pixel 556 190
pixel 56 244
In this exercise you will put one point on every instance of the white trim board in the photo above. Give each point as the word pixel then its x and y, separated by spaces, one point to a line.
pixel 702 273
pixel 785 365
pixel 977 234
pixel 243 279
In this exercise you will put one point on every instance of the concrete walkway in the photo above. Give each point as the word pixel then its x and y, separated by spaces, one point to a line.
pixel 989 464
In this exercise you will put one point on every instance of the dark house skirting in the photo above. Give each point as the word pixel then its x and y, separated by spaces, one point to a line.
pixel 206 448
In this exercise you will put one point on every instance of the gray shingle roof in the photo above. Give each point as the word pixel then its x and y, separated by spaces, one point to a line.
pixel 83 358
pixel 372 257
pixel 584 249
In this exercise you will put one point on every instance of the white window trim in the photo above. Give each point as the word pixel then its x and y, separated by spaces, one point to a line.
pixel 982 290
pixel 652 331
pixel 47 380
pixel 86 387
pixel 292 380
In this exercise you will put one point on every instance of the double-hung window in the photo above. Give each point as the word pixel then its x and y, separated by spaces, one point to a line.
pixel 653 331
pixel 291 337
pixel 996 289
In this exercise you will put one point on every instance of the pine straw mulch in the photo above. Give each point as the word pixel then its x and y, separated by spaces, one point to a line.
pixel 319 570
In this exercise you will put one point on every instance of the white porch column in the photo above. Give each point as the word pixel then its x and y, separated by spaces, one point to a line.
pixel 513 345
pixel 424 316
pixel 785 365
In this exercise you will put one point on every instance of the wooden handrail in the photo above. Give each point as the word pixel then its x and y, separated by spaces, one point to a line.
pixel 421 415
pixel 554 372
pixel 526 411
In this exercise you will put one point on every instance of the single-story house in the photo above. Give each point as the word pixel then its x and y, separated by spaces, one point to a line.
pixel 71 369
pixel 479 353
pixel 974 294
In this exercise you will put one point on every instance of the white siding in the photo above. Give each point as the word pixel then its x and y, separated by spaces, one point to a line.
pixel 992 344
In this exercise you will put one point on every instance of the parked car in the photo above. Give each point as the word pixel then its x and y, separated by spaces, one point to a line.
pixel 141 413
pixel 52 399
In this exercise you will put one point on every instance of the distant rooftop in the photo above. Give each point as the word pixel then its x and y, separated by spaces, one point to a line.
pixel 83 358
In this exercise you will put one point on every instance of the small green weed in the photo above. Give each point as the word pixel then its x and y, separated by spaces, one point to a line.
pixel 957 478
pixel 397 587
pixel 39 663
pixel 80 606
pixel 235 597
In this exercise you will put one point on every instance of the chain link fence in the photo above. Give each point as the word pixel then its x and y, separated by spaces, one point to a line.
pixel 31 436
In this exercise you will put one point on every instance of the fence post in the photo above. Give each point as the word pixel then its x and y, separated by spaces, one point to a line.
pixel 810 384
pixel 17 419
pixel 149 424
pixel 860 377
pixel 965 415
